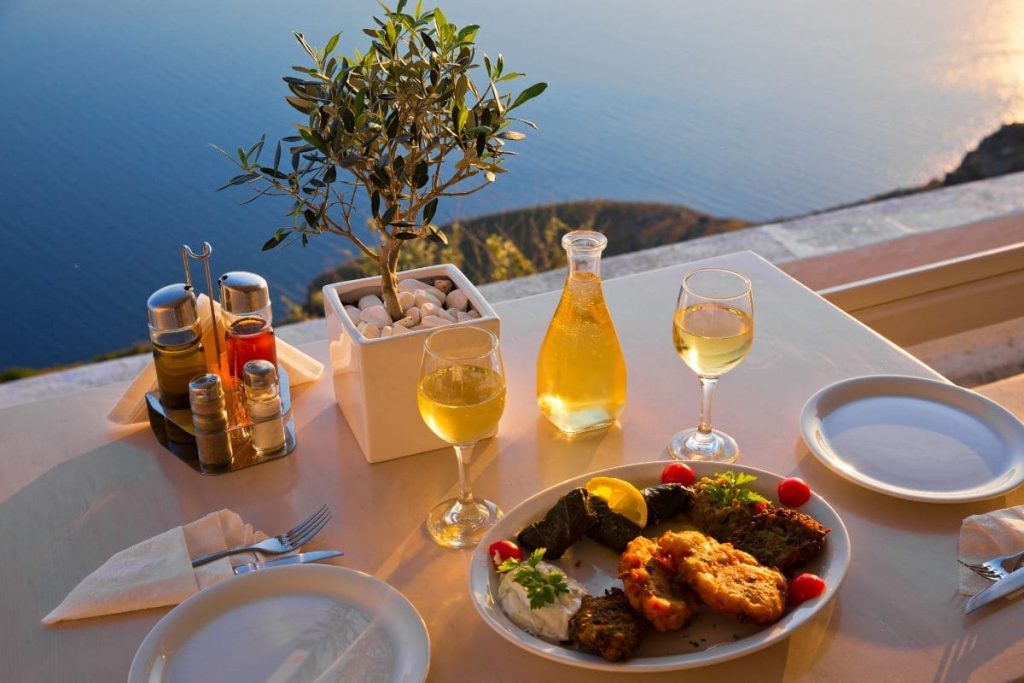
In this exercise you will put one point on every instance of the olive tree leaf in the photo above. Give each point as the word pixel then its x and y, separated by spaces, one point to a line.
pixel 434 234
pixel 429 209
pixel 528 94
pixel 274 241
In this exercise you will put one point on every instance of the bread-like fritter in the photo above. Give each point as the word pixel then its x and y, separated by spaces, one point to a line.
pixel 729 581
pixel 608 625
pixel 715 518
pixel 654 589
pixel 780 537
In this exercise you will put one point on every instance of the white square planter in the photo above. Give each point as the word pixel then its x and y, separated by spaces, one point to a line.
pixel 375 379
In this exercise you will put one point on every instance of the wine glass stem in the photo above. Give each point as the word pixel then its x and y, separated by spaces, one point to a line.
pixel 707 395
pixel 462 454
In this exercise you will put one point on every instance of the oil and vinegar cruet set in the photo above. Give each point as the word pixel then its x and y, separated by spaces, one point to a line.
pixel 222 401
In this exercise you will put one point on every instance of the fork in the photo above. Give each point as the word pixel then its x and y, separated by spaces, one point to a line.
pixel 282 543
pixel 994 569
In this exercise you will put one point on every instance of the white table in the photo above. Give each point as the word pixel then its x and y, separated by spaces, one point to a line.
pixel 72 493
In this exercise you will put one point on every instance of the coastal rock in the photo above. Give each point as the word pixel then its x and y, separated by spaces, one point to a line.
pixel 443 285
pixel 434 321
pixel 397 330
pixel 406 300
pixel 370 331
pixel 369 301
pixel 386 331
pixel 462 316
pixel 1000 153
pixel 457 299
pixel 474 313
pixel 423 296
pixel 377 315
pixel 353 314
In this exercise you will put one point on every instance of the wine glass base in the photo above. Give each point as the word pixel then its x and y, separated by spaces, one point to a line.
pixel 715 446
pixel 454 525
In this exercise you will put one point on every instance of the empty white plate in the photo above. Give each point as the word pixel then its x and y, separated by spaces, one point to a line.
pixel 288 625
pixel 915 438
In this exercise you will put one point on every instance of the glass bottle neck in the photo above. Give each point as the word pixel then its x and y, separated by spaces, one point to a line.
pixel 584 261
pixel 583 250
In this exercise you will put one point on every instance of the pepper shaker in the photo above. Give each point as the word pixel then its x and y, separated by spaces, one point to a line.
pixel 210 420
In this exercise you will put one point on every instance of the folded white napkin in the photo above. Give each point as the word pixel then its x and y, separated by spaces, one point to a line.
pixel 158 572
pixel 983 537
pixel 131 407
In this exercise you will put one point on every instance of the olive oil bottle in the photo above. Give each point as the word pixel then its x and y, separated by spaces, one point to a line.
pixel 178 353
pixel 581 372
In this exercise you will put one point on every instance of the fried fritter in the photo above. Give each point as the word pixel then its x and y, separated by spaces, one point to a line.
pixel 714 518
pixel 729 581
pixel 653 589
pixel 608 625
pixel 780 537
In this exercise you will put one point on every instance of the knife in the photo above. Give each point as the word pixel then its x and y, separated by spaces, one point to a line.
pixel 1010 583
pixel 299 558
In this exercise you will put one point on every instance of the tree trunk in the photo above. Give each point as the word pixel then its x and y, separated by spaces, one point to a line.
pixel 387 259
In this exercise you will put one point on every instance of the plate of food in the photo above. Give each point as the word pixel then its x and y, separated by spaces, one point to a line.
pixel 659 566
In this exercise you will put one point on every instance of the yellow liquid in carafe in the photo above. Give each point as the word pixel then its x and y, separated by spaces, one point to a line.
pixel 581 373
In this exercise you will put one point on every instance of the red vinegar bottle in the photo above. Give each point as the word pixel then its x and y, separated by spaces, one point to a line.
pixel 247 318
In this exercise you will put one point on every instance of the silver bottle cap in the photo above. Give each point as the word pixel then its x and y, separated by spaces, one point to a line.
pixel 259 374
pixel 242 292
pixel 206 389
pixel 172 307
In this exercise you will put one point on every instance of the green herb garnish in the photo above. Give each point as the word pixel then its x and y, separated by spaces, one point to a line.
pixel 728 487
pixel 541 587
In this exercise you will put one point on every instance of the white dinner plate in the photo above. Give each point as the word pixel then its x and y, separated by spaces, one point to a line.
pixel 915 438
pixel 288 624
pixel 710 638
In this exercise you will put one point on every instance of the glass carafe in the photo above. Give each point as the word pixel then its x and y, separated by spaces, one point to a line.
pixel 581 373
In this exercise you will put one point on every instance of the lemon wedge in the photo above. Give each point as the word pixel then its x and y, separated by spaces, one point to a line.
pixel 622 497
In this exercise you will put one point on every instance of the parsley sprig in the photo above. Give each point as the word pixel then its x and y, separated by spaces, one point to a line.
pixel 727 487
pixel 541 587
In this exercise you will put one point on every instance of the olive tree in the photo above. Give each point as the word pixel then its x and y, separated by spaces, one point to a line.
pixel 393 130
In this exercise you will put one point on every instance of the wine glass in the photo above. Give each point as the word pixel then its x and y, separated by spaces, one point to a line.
pixel 461 395
pixel 713 331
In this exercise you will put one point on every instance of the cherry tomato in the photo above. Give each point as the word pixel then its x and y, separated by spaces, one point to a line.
pixel 678 473
pixel 794 492
pixel 805 587
pixel 499 551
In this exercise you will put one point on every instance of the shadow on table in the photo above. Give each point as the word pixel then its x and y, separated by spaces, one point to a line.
pixel 930 533
pixel 61 527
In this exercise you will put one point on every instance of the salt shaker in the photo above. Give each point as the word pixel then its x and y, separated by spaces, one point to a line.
pixel 210 420
pixel 263 401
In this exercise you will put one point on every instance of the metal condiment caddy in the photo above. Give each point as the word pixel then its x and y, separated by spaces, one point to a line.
pixel 214 434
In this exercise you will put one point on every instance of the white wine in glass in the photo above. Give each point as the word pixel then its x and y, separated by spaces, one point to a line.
pixel 713 330
pixel 461 396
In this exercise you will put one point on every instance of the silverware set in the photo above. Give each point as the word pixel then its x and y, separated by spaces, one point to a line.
pixel 287 542
pixel 1006 573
